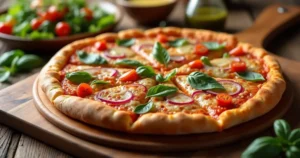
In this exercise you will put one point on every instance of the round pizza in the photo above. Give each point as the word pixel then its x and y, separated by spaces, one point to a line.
pixel 163 81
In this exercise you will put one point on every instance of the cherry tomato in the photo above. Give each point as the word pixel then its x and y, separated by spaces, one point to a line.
pixel 201 50
pixel 224 99
pixel 101 45
pixel 36 23
pixel 162 38
pixel 87 13
pixel 52 14
pixel 133 116
pixel 238 51
pixel 62 29
pixel 84 90
pixel 129 76
pixel 6 28
pixel 238 66
pixel 196 64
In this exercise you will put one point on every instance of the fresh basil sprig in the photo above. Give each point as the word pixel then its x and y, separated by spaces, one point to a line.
pixel 250 76
pixel 205 60
pixel 7 57
pixel 178 42
pixel 90 58
pixel 144 108
pixel 161 78
pixel 286 142
pixel 145 71
pixel 160 54
pixel 79 77
pixel 126 42
pixel 97 82
pixel 161 91
pixel 28 62
pixel 4 75
pixel 202 81
pixel 213 46
pixel 127 62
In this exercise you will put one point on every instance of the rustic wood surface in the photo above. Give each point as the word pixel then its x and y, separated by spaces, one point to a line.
pixel 15 144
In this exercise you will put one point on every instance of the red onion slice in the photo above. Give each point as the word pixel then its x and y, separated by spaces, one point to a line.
pixel 116 55
pixel 113 72
pixel 237 88
pixel 145 46
pixel 177 58
pixel 145 89
pixel 196 92
pixel 103 95
pixel 180 99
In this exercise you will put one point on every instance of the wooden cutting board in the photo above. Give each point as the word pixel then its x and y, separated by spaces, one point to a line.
pixel 17 109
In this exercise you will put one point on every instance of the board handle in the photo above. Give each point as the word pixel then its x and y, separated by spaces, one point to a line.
pixel 270 22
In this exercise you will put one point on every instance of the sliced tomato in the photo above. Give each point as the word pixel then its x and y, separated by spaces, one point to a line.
pixel 196 64
pixel 88 14
pixel 101 45
pixel 238 66
pixel 129 76
pixel 6 28
pixel 224 100
pixel 238 51
pixel 36 23
pixel 84 90
pixel 133 116
pixel 201 50
pixel 162 38
pixel 62 29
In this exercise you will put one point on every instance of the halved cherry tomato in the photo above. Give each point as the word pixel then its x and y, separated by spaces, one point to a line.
pixel 84 90
pixel 196 64
pixel 129 76
pixel 6 28
pixel 62 29
pixel 36 23
pixel 52 14
pixel 162 38
pixel 224 100
pixel 101 45
pixel 238 66
pixel 88 14
pixel 201 50
pixel 238 51
pixel 133 116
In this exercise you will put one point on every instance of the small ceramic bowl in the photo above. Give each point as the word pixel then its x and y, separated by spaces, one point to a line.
pixel 52 45
pixel 147 15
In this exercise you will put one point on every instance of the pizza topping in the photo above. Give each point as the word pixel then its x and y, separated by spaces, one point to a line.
pixel 162 38
pixel 250 76
pixel 196 92
pixel 161 91
pixel 239 66
pixel 187 49
pixel 144 88
pixel 177 58
pixel 202 81
pixel 84 90
pixel 101 45
pixel 232 88
pixel 126 42
pixel 144 108
pixel 127 62
pixel 224 100
pixel 98 82
pixel 112 72
pixel 129 76
pixel 79 77
pixel 200 50
pixel 214 46
pixel 178 42
pixel 160 77
pixel 116 53
pixel 160 54
pixel 226 55
pixel 145 71
pixel 179 99
pixel 115 98
pixel 238 51
pixel 145 46
pixel 205 60
pixel 196 64
pixel 90 58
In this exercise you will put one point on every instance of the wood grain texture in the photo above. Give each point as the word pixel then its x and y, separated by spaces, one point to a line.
pixel 13 145
pixel 5 139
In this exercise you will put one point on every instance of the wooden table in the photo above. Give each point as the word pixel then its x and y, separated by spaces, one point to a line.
pixel 241 16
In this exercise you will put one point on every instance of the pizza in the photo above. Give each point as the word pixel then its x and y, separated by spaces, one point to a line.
pixel 166 81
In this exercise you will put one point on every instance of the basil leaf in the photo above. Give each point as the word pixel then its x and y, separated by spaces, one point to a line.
pixel 144 108
pixel 126 42
pixel 294 135
pixel 178 42
pixel 99 82
pixel 13 68
pixel 292 152
pixel 79 77
pixel 214 45
pixel 160 77
pixel 145 71
pixel 202 81
pixel 282 129
pixel 7 57
pixel 297 143
pixel 226 55
pixel 28 62
pixel 250 76
pixel 160 54
pixel 4 75
pixel 127 62
pixel 90 58
pixel 161 91
pixel 206 61
pixel 266 147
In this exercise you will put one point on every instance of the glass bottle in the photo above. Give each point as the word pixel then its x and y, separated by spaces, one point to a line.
pixel 206 14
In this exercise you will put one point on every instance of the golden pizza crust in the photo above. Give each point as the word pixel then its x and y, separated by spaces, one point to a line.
pixel 99 114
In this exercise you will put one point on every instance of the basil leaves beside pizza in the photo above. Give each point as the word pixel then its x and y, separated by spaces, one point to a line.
pixel 140 81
